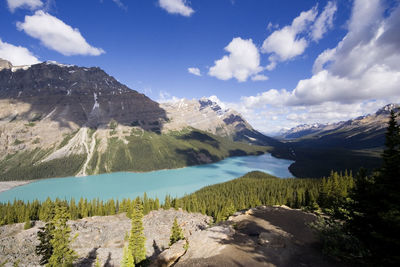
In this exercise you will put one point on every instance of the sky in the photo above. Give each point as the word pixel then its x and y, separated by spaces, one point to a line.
pixel 280 63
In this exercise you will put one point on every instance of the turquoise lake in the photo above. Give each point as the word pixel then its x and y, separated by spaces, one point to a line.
pixel 176 182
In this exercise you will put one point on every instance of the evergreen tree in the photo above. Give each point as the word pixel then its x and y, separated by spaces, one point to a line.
pixel 137 239
pixel 176 233
pixel 45 248
pixel 28 223
pixel 146 204
pixel 127 258
pixel 375 211
pixel 62 254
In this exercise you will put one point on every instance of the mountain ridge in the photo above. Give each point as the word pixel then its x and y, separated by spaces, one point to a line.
pixel 63 120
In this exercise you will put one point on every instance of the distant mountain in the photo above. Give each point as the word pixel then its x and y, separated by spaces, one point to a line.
pixel 301 130
pixel 359 133
pixel 349 145
pixel 207 115
pixel 62 120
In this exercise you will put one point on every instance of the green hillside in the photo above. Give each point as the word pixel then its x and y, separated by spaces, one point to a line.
pixel 140 151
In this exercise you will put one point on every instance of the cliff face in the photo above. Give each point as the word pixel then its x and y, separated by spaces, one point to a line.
pixel 71 94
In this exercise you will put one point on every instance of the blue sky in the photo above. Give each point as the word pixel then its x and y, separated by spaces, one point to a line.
pixel 278 62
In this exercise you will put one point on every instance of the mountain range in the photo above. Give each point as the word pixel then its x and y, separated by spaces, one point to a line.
pixel 64 120
pixel 346 145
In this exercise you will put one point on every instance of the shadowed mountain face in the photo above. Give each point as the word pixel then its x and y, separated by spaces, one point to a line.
pixel 84 96
pixel 347 145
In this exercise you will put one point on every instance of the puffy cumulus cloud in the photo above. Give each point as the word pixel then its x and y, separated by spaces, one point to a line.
pixel 30 4
pixel 17 55
pixel 286 42
pixel 292 40
pixel 176 7
pixel 242 62
pixel 364 65
pixel 56 35
pixel 194 71
pixel 358 76
pixel 271 97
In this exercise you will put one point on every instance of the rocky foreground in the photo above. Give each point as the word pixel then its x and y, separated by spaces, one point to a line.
pixel 264 236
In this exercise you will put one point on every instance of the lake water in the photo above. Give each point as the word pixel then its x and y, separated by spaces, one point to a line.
pixel 175 182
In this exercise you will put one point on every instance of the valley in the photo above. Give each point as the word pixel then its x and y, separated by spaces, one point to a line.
pixel 52 114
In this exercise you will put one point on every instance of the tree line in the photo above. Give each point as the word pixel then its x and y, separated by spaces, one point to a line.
pixel 218 201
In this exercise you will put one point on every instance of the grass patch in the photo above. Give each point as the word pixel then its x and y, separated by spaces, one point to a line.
pixel 66 139
pixel 30 124
pixel 18 142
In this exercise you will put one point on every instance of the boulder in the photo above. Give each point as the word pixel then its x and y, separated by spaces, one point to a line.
pixel 171 255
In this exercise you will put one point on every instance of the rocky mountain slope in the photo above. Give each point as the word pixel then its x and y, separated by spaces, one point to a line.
pixel 62 120
pixel 209 116
pixel 341 146
pixel 263 236
pixel 362 132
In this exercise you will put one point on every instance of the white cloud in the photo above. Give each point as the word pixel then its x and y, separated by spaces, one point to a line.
pixel 17 55
pixel 176 7
pixel 164 97
pixel 242 62
pixel 56 35
pixel 286 43
pixel 358 76
pixel 324 22
pixel 259 77
pixel 194 71
pixel 30 4
pixel 292 40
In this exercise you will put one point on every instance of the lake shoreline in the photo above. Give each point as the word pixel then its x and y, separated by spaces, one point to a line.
pixel 176 182
pixel 8 185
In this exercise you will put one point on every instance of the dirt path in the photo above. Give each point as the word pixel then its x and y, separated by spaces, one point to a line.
pixel 267 236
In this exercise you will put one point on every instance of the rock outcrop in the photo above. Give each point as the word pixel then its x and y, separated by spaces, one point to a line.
pixel 172 254
pixel 101 237
pixel 263 236
pixel 4 64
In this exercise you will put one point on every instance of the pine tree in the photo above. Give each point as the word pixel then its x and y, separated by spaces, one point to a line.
pixel 127 258
pixel 146 205
pixel 62 255
pixel 176 233
pixel 375 212
pixel 45 248
pixel 137 239
pixel 28 223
